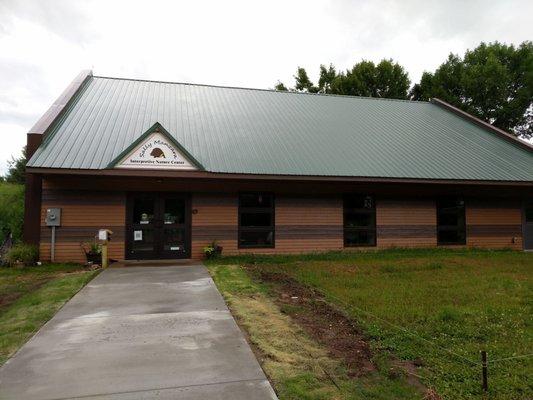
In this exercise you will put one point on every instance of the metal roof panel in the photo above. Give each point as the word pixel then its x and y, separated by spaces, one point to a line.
pixel 236 130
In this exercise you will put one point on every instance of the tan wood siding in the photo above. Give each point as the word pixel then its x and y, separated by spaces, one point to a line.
pixel 214 218
pixel 494 223
pixel 82 214
pixel 304 223
pixel 406 223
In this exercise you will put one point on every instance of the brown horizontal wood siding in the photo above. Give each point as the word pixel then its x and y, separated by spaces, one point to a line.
pixel 82 214
pixel 494 223
pixel 406 222
pixel 304 223
pixel 214 218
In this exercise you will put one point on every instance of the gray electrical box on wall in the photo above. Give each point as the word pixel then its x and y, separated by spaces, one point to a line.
pixel 53 217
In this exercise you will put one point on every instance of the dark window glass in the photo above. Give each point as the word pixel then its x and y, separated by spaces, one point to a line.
pixel 529 214
pixel 256 239
pixel 256 200
pixel 143 210
pixel 174 239
pixel 359 221
pixel 359 238
pixel 256 220
pixel 174 211
pixel 451 224
pixel 143 240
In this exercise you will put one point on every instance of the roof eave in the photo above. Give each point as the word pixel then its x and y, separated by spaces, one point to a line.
pixel 48 118
pixel 500 132
pixel 240 176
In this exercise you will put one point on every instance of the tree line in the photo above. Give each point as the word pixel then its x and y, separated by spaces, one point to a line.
pixel 493 82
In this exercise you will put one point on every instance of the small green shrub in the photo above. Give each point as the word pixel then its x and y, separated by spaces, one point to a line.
pixel 213 250
pixel 22 253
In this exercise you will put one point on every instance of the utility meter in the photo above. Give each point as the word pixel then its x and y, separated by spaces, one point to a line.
pixel 53 217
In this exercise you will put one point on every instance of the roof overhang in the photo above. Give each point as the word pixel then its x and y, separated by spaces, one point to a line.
pixel 264 177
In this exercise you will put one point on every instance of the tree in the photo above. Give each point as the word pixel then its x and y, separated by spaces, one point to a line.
pixel 327 77
pixel 494 82
pixel 280 87
pixel 387 79
pixel 16 170
pixel 303 83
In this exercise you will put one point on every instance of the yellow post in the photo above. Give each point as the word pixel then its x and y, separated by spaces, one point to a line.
pixel 105 236
pixel 105 260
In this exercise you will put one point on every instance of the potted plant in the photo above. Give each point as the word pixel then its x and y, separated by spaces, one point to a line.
pixel 213 250
pixel 93 252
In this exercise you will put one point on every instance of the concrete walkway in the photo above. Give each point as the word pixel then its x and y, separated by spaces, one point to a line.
pixel 139 333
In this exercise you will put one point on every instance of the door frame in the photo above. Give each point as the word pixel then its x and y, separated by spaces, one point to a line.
pixel 129 224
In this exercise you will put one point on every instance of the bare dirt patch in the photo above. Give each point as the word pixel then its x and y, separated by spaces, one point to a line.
pixel 320 320
pixel 332 328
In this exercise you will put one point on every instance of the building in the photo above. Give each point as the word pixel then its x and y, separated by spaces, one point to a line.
pixel 170 167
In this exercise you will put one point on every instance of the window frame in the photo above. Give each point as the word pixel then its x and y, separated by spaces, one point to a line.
pixel 370 211
pixel 449 228
pixel 263 210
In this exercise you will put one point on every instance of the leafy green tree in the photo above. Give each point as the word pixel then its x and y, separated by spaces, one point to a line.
pixel 280 87
pixel 17 166
pixel 11 211
pixel 303 83
pixel 387 79
pixel 494 82
pixel 327 77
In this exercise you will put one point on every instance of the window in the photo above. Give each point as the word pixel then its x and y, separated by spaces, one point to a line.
pixel 359 221
pixel 256 220
pixel 529 214
pixel 451 226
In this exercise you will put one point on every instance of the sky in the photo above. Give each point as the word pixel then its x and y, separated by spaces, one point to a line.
pixel 44 44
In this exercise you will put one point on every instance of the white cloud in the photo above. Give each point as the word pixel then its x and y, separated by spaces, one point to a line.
pixel 44 44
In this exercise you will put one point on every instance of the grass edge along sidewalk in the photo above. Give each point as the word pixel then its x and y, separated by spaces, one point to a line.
pixel 298 367
pixel 486 305
pixel 35 295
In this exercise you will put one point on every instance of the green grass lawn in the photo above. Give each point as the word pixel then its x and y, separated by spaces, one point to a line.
pixel 438 307
pixel 31 296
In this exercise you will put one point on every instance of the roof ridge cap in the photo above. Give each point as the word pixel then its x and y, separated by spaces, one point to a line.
pixel 260 90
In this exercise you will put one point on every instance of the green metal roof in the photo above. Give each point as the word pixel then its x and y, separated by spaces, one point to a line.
pixel 236 130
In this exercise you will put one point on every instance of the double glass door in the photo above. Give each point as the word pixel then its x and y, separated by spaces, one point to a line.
pixel 158 226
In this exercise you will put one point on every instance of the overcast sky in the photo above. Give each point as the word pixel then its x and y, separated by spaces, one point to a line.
pixel 45 43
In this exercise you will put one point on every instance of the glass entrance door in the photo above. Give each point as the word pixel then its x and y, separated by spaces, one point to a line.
pixel 174 227
pixel 157 226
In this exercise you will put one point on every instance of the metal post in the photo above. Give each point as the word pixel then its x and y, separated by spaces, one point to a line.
pixel 485 385
pixel 53 245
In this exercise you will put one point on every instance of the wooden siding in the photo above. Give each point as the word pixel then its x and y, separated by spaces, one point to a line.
pixel 214 218
pixel 406 223
pixel 82 214
pixel 303 223
pixel 494 223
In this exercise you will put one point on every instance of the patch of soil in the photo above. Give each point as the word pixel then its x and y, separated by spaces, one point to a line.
pixel 331 327
pixel 323 322
pixel 9 298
